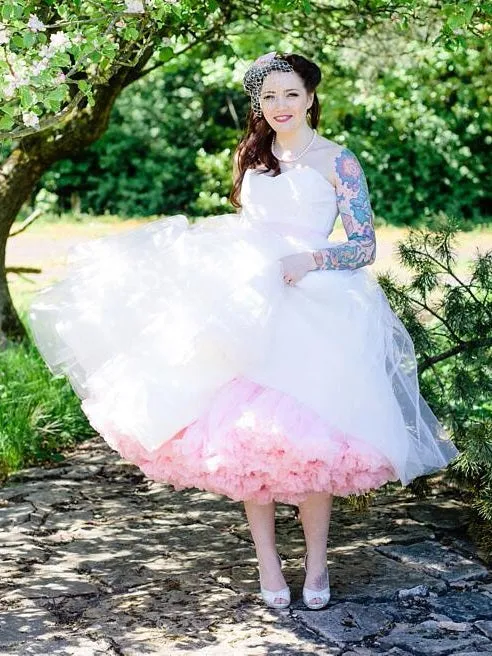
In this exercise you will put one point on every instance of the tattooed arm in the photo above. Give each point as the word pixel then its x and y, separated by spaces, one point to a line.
pixel 355 211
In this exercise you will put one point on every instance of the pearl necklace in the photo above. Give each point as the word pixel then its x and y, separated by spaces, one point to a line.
pixel 297 156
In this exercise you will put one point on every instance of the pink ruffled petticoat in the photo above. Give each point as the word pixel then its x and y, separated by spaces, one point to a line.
pixel 257 443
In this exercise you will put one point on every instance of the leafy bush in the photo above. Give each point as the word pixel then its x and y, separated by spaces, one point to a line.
pixel 449 317
pixel 419 122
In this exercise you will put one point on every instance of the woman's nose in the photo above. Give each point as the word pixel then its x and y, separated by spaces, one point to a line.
pixel 279 103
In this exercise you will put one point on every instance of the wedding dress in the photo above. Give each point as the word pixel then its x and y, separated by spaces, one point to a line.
pixel 195 361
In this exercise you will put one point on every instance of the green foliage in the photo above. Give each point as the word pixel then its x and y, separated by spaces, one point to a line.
pixel 449 317
pixel 165 150
pixel 67 48
pixel 419 122
pixel 39 414
pixel 55 55
pixel 216 176
pixel 421 125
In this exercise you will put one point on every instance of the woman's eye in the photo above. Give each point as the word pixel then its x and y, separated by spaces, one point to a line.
pixel 289 94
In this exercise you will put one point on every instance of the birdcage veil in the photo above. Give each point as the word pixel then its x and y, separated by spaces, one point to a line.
pixel 256 74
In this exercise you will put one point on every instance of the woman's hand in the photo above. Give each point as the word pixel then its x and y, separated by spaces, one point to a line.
pixel 296 266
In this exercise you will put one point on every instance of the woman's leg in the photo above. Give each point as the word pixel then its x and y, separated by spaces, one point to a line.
pixel 315 514
pixel 261 519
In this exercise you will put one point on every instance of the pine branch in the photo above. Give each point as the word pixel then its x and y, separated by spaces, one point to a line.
pixel 448 270
pixel 471 345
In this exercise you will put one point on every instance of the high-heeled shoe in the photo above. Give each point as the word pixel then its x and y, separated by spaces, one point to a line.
pixel 309 595
pixel 269 596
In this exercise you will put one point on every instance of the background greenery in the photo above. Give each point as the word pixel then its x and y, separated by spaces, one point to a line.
pixel 418 117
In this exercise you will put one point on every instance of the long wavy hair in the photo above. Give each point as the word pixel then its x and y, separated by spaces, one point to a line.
pixel 254 149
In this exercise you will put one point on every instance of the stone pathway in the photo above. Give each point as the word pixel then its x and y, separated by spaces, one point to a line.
pixel 96 559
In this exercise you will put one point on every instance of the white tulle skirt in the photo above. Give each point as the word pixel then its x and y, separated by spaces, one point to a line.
pixel 195 361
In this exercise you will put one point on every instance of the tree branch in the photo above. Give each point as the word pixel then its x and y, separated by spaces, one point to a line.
pixel 447 270
pixel 23 269
pixel 472 345
pixel 51 122
pixel 26 223
pixel 424 306
pixel 145 71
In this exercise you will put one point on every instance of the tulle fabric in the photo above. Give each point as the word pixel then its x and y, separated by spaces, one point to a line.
pixel 196 362
pixel 258 444
pixel 151 322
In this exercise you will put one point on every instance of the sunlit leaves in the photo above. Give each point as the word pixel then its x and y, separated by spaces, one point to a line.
pixel 96 33
pixel 77 39
pixel 166 54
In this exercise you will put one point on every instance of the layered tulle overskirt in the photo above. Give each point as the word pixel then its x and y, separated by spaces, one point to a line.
pixel 195 361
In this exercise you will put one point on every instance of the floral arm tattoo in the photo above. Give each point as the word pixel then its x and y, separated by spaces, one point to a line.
pixel 355 211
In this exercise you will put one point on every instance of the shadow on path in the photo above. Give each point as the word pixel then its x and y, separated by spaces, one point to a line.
pixel 96 559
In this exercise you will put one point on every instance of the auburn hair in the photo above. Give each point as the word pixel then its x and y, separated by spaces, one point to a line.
pixel 254 149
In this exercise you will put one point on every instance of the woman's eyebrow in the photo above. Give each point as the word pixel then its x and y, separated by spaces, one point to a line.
pixel 284 90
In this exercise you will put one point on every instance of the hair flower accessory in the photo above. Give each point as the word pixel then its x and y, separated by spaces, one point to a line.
pixel 265 58
pixel 257 72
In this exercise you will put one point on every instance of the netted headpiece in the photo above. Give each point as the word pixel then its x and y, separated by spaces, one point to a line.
pixel 257 72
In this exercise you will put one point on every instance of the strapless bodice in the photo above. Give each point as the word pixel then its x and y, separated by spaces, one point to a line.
pixel 299 202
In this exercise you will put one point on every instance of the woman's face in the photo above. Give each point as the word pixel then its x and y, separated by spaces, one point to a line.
pixel 284 100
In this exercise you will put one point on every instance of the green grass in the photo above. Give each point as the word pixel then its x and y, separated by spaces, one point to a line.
pixel 39 414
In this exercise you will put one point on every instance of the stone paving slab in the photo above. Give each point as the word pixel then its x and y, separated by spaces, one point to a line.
pixel 432 639
pixel 436 560
pixel 95 559
pixel 463 606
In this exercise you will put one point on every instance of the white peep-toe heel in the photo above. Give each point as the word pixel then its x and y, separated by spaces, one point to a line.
pixel 269 596
pixel 308 595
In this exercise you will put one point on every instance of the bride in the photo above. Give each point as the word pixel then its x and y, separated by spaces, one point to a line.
pixel 251 355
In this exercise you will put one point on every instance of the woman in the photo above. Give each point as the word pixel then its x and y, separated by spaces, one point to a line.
pixel 250 355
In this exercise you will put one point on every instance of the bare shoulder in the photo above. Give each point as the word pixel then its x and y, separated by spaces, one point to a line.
pixel 322 143
pixel 328 156
pixel 323 156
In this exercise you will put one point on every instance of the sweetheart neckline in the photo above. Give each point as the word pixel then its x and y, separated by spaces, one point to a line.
pixel 298 168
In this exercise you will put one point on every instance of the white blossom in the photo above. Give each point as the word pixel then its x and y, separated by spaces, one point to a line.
pixel 35 24
pixel 4 34
pixel 16 80
pixel 58 40
pixel 40 66
pixel 30 119
pixel 45 52
pixel 8 91
pixel 134 7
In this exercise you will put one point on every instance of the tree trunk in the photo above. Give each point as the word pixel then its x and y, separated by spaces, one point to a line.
pixel 75 203
pixel 18 176
pixel 31 157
